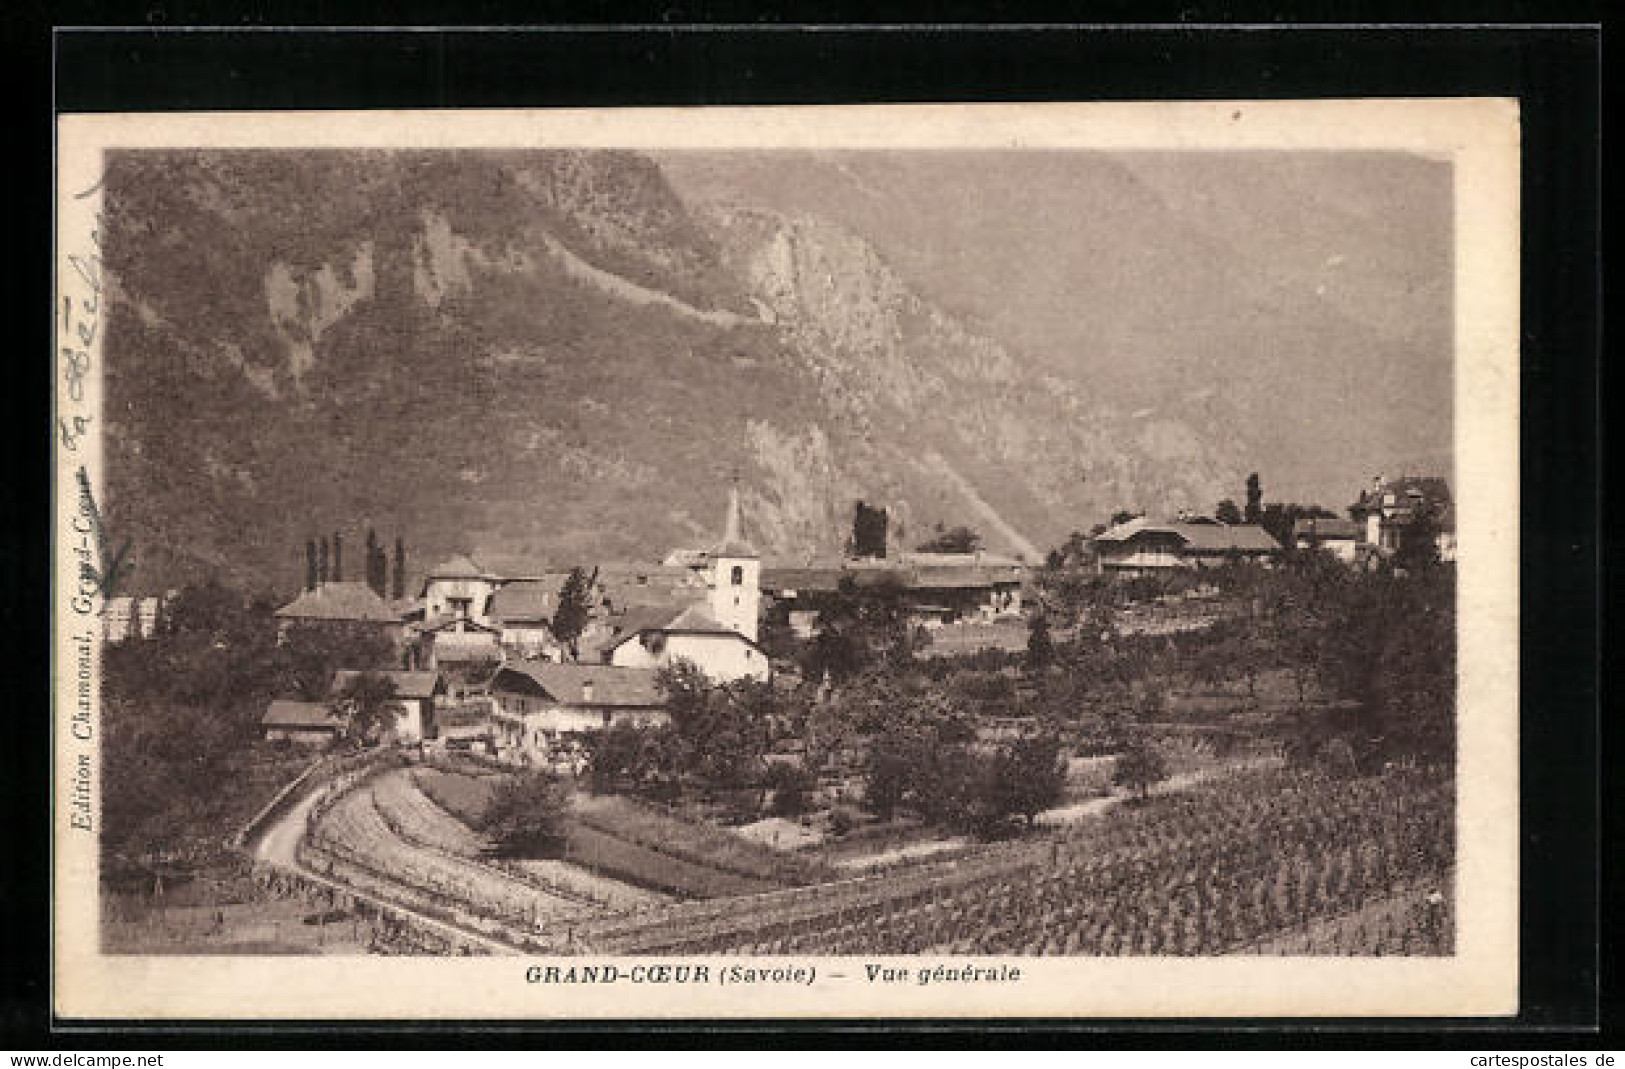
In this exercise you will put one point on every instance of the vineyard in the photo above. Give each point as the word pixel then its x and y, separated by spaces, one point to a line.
pixel 1215 871
pixel 387 838
pixel 1264 862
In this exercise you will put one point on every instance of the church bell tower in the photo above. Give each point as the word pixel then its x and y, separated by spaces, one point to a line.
pixel 736 575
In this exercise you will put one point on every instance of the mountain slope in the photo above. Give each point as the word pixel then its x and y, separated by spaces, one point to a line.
pixel 549 353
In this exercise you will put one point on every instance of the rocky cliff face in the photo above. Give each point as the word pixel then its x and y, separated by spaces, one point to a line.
pixel 549 353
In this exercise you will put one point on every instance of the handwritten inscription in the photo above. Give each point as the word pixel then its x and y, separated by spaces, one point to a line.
pixel 81 323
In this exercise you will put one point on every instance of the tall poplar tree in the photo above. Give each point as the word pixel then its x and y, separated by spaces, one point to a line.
pixel 338 557
pixel 310 564
pixel 400 569
pixel 1255 499
pixel 321 571
pixel 575 607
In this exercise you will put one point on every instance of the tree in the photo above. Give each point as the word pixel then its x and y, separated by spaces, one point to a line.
pixel 1040 647
pixel 1418 546
pixel 858 628
pixel 399 589
pixel 574 610
pixel 1227 512
pixel 1030 774
pixel 868 531
pixel 1139 768
pixel 1255 500
pixel 368 699
pixel 322 568
pixel 723 730
pixel 1389 650
pixel 959 539
pixel 310 564
pixel 1122 516
pixel 886 775
pixel 792 788
pixel 377 566
pixel 528 816
pixel 1279 518
pixel 635 756
pixel 338 557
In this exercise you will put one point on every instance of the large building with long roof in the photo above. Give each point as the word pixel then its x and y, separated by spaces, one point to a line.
pixel 1141 546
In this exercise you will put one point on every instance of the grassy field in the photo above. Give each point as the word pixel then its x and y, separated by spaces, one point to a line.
pixel 625 840
pixel 702 844
pixel 624 860
pixel 464 797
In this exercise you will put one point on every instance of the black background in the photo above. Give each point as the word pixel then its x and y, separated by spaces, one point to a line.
pixel 1554 70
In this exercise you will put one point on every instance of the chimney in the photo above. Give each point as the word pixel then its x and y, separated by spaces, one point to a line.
pixel 586 692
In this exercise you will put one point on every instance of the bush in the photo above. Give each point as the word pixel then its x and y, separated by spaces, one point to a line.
pixel 1140 768
pixel 792 788
pixel 528 816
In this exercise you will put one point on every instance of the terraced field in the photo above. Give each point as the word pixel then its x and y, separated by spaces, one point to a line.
pixel 382 827
pixel 1268 862
pixel 1219 871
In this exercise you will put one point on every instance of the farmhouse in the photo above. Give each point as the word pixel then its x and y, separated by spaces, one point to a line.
pixel 522 611
pixel 460 589
pixel 415 693
pixel 1140 547
pixel 341 603
pixel 307 723
pixel 1341 538
pixel 934 589
pixel 538 705
pixel 1391 508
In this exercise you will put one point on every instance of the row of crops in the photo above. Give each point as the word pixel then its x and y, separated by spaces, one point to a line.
pixel 369 837
pixel 1212 872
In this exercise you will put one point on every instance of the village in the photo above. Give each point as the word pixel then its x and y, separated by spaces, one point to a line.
pixel 597 757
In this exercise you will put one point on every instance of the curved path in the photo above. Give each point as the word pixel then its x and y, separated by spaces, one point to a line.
pixel 278 845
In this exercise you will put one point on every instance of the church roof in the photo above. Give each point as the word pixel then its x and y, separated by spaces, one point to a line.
pixel 733 542
pixel 696 619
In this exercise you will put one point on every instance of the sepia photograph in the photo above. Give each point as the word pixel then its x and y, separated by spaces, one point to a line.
pixel 1002 560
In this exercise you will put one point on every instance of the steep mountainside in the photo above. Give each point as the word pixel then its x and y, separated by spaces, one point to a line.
pixel 548 353
pixel 1303 298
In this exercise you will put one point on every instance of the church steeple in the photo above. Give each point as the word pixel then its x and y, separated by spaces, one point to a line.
pixel 733 542
pixel 736 574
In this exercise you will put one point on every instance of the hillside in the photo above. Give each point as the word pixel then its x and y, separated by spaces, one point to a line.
pixel 551 354
pixel 1301 301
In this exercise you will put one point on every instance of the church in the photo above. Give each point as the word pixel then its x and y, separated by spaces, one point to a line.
pixel 717 630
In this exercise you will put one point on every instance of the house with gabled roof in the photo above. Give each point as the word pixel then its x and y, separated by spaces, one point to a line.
pixel 342 603
pixel 538 704
pixel 307 723
pixel 415 695
pixel 1391 508
pixel 1341 538
pixel 458 588
pixel 522 611
pixel 1141 547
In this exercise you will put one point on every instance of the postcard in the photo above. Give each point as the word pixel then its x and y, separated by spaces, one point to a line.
pixel 1044 560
